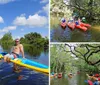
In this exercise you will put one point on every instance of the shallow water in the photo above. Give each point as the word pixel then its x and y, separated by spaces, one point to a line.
pixel 67 35
pixel 29 77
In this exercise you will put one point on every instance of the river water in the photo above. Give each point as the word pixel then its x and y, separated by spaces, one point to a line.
pixel 78 79
pixel 67 35
pixel 26 76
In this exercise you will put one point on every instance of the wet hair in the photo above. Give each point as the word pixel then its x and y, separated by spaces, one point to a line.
pixel 17 39
pixel 90 74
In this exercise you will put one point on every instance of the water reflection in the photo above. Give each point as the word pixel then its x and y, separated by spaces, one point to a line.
pixel 28 77
pixel 33 50
pixel 77 79
pixel 77 35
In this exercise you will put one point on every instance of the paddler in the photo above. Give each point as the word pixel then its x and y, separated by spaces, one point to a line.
pixel 94 79
pixel 63 20
pixel 17 49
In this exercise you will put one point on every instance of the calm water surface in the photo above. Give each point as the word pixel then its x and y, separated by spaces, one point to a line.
pixel 29 77
pixel 67 35
pixel 75 80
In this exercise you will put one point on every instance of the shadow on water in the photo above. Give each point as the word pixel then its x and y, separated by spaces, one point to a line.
pixel 75 80
pixel 76 35
pixel 29 77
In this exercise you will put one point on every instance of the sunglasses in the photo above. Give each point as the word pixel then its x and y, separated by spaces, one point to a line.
pixel 16 41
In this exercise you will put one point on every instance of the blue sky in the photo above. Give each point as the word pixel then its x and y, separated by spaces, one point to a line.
pixel 24 16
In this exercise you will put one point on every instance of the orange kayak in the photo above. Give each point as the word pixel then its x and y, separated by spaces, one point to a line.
pixel 63 25
pixel 81 27
pixel 86 25
pixel 71 25
pixel 60 75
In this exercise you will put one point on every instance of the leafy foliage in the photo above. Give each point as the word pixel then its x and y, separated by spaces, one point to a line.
pixel 30 38
pixel 87 8
pixel 7 38
pixel 71 57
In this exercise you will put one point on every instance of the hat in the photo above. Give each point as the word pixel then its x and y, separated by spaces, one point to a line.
pixel 96 75
pixel 83 17
pixel 17 40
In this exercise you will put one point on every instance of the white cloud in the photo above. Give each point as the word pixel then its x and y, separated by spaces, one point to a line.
pixel 20 20
pixel 44 1
pixel 5 1
pixel 7 29
pixel 46 8
pixel 1 20
pixel 33 20
pixel 40 11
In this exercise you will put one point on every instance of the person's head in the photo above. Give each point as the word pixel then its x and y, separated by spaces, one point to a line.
pixel 17 41
pixel 96 75
pixel 91 74
pixel 70 74
pixel 83 18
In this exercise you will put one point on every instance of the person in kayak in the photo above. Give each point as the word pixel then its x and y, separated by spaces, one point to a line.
pixel 17 49
pixel 83 20
pixel 63 20
pixel 76 20
pixel 94 79
pixel 71 20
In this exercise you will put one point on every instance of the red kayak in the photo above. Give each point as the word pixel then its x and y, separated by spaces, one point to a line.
pixel 71 25
pixel 63 25
pixel 86 25
pixel 60 75
pixel 90 82
pixel 81 27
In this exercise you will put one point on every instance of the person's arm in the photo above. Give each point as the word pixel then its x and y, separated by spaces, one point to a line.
pixel 22 50
pixel 88 76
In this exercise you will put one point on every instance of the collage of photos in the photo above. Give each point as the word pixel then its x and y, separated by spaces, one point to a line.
pixel 24 42
pixel 49 42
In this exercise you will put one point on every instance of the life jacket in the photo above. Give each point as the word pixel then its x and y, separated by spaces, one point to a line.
pixel 90 82
pixel 95 83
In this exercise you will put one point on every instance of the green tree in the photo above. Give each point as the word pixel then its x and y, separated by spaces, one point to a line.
pixel 7 38
pixel 61 61
pixel 36 39
pixel 85 8
pixel 31 37
pixel 88 8
pixel 89 53
pixel 23 40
